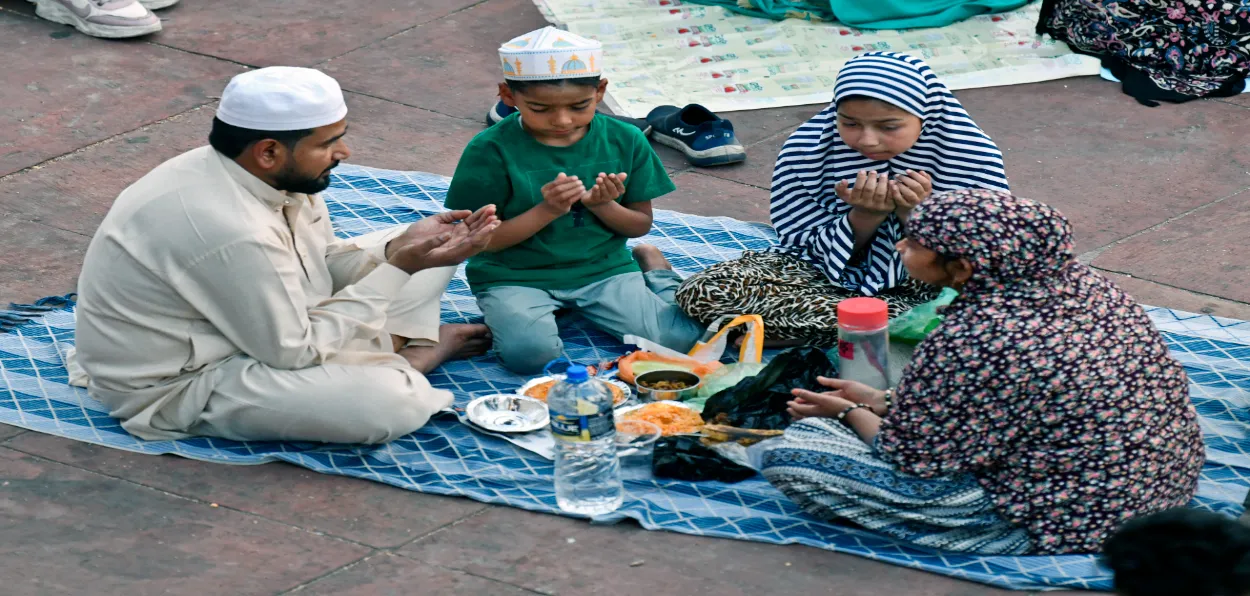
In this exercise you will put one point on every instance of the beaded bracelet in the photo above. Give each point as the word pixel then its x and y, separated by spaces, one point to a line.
pixel 889 399
pixel 841 417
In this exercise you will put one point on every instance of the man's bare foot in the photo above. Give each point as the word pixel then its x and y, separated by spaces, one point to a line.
pixel 454 342
pixel 650 258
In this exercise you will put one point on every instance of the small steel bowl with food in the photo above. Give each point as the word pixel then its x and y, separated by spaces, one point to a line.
pixel 667 385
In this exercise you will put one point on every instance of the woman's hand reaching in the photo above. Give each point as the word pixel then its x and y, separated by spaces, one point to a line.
pixel 829 404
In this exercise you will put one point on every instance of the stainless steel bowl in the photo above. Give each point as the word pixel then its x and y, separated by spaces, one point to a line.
pixel 646 394
pixel 508 413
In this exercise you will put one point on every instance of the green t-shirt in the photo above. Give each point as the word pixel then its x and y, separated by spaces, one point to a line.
pixel 504 165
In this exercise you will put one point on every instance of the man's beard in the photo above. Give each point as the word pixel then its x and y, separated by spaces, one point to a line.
pixel 290 180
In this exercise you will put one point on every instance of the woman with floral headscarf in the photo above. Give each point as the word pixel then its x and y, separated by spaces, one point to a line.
pixel 1042 413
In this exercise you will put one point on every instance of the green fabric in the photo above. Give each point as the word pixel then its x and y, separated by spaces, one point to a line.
pixel 504 165
pixel 874 14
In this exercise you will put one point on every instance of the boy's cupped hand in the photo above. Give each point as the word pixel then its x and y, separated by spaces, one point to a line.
pixel 608 188
pixel 561 194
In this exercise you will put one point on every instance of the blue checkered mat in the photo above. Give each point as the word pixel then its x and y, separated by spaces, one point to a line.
pixel 447 458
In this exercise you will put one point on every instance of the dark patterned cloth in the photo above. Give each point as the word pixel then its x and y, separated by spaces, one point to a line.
pixel 1046 382
pixel 1171 50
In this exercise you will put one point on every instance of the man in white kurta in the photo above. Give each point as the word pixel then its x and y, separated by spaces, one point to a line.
pixel 213 303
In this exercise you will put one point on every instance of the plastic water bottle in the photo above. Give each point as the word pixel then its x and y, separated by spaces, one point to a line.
pixel 588 477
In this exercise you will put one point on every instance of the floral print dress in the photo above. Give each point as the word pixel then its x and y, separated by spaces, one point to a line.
pixel 1173 50
pixel 1046 385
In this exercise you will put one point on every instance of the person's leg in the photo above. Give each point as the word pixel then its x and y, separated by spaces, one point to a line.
pixel 827 470
pixel 331 403
pixel 522 324
pixel 657 272
pixel 625 305
pixel 414 316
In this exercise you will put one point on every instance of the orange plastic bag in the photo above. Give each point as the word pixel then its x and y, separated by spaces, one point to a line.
pixel 713 344
pixel 704 358
pixel 640 362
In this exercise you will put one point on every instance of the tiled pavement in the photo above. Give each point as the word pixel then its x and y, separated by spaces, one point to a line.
pixel 1158 198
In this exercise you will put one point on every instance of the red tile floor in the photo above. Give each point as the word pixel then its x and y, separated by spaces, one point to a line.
pixel 1156 196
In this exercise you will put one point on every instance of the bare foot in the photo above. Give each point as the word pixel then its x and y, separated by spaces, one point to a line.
pixel 454 342
pixel 650 258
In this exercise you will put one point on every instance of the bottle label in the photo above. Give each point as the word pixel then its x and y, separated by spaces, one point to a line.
pixel 583 426
pixel 846 350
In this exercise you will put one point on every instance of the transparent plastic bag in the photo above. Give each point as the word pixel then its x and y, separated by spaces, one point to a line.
pixel 728 376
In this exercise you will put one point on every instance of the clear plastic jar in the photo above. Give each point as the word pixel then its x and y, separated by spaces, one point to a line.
pixel 864 341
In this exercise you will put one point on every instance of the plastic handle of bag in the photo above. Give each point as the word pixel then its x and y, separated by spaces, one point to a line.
pixel 752 350
pixel 547 369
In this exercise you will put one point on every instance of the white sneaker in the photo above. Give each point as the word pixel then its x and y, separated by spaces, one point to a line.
pixel 157 4
pixel 100 18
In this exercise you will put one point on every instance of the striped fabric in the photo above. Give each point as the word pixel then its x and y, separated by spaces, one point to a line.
pixel 810 218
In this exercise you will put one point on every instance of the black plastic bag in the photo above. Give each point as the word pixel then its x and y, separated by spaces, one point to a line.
pixel 685 458
pixel 759 402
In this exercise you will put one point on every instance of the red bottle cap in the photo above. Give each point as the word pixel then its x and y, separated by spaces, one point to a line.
pixel 863 314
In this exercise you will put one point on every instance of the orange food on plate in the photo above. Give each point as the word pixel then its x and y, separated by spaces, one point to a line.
pixel 672 420
pixel 539 392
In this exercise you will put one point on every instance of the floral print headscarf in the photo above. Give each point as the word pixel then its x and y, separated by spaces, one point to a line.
pixel 1045 381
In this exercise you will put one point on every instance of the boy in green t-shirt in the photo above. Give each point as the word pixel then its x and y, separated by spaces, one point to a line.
pixel 570 187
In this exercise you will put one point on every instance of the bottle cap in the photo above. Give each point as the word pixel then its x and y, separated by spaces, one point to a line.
pixel 577 374
pixel 863 314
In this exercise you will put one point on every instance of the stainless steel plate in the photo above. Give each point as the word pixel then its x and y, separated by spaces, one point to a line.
pixel 508 413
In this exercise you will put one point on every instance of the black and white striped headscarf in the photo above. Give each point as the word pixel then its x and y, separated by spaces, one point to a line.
pixel 811 219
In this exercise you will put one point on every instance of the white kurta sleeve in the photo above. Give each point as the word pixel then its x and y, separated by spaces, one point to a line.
pixel 252 292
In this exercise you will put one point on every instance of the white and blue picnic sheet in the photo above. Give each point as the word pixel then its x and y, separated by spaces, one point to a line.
pixel 448 458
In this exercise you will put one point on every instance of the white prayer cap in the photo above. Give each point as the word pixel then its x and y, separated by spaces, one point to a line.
pixel 280 98
pixel 549 54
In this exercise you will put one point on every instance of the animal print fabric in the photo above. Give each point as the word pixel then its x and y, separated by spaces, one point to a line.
pixel 795 299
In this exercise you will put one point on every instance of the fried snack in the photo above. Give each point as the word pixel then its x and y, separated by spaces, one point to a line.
pixel 719 433
pixel 672 420
pixel 539 392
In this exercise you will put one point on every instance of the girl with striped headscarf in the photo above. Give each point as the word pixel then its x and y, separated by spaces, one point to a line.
pixel 843 187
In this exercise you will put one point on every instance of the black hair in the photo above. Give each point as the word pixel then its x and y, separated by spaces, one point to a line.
pixel 232 141
pixel 867 98
pixel 523 86
pixel 1180 551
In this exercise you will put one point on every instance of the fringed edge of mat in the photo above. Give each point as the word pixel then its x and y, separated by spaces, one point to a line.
pixel 19 314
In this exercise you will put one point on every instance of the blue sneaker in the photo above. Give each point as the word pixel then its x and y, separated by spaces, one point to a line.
pixel 502 110
pixel 705 138
pixel 498 112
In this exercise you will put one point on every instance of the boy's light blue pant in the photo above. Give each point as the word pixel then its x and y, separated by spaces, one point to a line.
pixel 523 322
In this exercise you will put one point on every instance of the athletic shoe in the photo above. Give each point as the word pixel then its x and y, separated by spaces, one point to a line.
pixel 498 112
pixel 502 110
pixel 100 18
pixel 705 138
pixel 157 4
